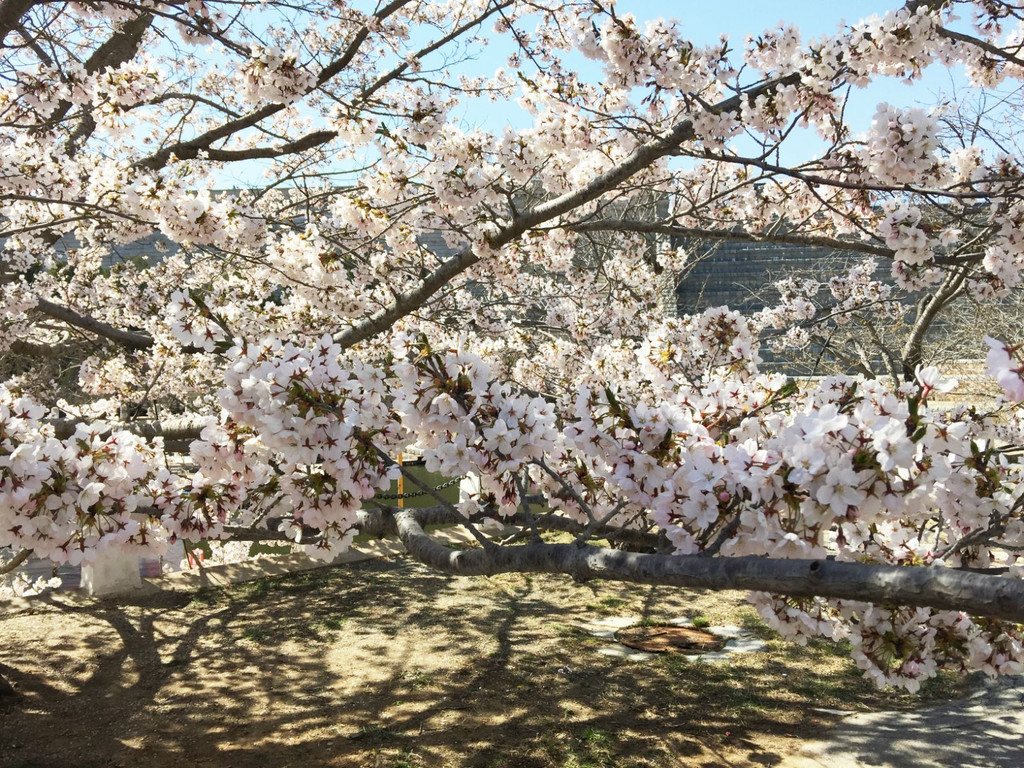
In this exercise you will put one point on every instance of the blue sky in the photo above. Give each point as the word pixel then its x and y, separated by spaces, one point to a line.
pixel 704 23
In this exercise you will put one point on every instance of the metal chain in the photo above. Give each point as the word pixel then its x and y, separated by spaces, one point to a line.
pixel 415 494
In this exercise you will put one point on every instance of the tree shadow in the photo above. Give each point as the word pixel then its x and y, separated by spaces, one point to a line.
pixel 383 664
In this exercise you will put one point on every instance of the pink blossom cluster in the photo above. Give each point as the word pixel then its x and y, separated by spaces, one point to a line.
pixel 322 421
pixel 906 234
pixel 468 424
pixel 112 91
pixel 20 585
pixel 275 75
pixel 901 146
pixel 193 324
pixel 897 646
pixel 69 499
pixel 857 289
pixel 837 472
pixel 1006 367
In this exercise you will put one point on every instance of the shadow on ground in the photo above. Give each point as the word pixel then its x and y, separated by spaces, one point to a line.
pixel 387 664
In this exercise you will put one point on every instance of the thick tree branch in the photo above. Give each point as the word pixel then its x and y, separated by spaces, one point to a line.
pixel 107 331
pixel 180 428
pixel 934 587
pixel 288 148
pixel 912 353
pixel 11 12
pixel 15 561
pixel 188 150
pixel 381 522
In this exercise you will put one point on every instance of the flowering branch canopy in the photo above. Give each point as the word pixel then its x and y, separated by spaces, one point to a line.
pixel 184 355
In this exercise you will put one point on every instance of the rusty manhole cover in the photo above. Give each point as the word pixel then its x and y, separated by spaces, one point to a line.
pixel 669 639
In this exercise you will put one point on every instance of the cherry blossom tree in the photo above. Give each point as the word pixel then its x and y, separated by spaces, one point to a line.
pixel 848 315
pixel 256 378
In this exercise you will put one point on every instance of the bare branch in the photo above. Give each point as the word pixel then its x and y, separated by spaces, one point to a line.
pixel 934 587
pixel 69 316
pixel 15 561
pixel 655 228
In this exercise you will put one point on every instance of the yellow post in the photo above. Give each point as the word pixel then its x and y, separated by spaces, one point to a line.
pixel 401 484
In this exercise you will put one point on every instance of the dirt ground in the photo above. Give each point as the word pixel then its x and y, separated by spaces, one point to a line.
pixel 390 665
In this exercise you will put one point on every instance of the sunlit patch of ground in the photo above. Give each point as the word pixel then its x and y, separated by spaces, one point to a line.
pixel 388 664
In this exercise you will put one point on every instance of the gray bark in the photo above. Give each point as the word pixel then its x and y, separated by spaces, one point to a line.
pixel 937 587
pixel 11 12
pixel 107 331
pixel 15 561
pixel 180 428
pixel 381 522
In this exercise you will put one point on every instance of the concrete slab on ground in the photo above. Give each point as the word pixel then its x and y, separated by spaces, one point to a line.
pixel 983 731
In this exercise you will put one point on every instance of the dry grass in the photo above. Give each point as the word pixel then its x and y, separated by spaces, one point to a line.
pixel 390 665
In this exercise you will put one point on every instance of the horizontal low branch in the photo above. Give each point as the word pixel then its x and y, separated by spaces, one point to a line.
pixel 935 587
pixel 181 428
pixel 381 522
